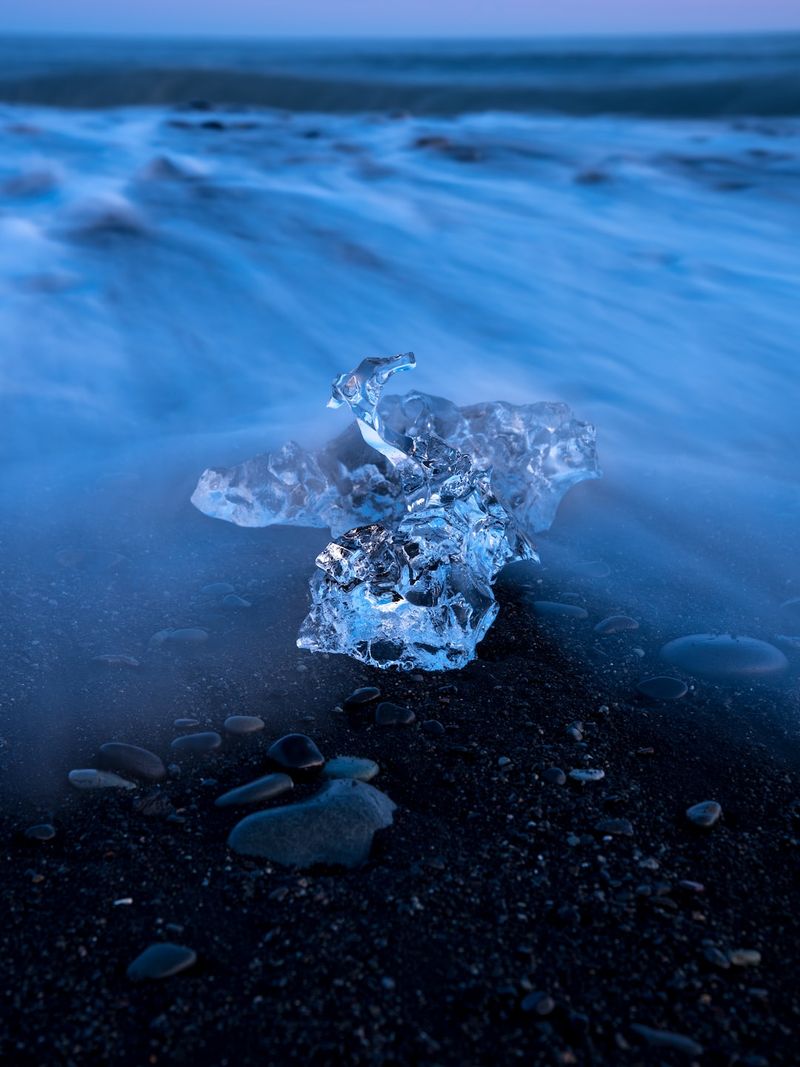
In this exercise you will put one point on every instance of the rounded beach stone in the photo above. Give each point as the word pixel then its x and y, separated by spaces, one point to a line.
pixel 116 659
pixel 364 770
pixel 554 776
pixel 433 728
pixel 704 814
pixel 196 744
pixel 131 759
pixel 161 960
pixel 89 778
pixel 235 602
pixel 388 714
pixel 587 774
pixel 217 589
pixel 334 827
pixel 725 657
pixel 184 724
pixel 553 609
pixel 614 827
pixel 42 831
pixel 616 624
pixel 271 785
pixel 243 724
pixel 296 752
pixel 662 687
pixel 365 695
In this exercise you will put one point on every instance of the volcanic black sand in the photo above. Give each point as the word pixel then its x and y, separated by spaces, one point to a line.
pixel 497 921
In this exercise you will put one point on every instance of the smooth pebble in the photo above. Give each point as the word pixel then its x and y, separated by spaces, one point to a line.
pixel 271 785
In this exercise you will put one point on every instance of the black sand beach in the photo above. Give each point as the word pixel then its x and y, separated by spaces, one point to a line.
pixel 502 918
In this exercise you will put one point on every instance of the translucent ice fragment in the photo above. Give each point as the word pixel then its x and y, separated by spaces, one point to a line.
pixel 426 502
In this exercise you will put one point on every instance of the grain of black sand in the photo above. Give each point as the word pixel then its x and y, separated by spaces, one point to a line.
pixel 494 922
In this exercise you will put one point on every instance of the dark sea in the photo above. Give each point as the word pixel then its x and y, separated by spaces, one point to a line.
pixel 196 236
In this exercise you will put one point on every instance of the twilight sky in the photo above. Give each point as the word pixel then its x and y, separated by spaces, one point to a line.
pixel 411 17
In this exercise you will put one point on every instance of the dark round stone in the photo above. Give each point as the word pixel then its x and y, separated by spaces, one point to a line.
pixel 196 744
pixel 724 657
pixel 433 728
pixel 184 724
pixel 554 776
pixel 388 714
pixel 296 752
pixel 42 831
pixel 118 756
pixel 662 687
pixel 615 624
pixel 362 696
pixel 161 960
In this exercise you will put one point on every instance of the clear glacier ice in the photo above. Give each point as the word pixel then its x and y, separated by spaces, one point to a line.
pixel 426 502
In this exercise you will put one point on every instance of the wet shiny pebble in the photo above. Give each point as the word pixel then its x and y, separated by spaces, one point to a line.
pixel 196 744
pixel 296 752
pixel 433 728
pixel 662 687
pixel 271 785
pixel 554 776
pixel 161 960
pixel 243 724
pixel 615 827
pixel 90 778
pixel 365 695
pixel 131 759
pixel 42 831
pixel 388 714
pixel 704 814
pixel 587 774
pixel 217 589
pixel 724 657
pixel 235 603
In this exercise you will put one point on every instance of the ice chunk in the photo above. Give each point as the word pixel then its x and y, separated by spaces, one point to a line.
pixel 426 503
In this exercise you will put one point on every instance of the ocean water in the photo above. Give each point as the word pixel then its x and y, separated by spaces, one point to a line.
pixel 195 237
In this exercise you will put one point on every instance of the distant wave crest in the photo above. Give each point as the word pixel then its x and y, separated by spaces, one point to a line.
pixel 763 94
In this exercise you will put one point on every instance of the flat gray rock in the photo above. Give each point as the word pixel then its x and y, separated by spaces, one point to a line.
pixel 271 785
pixel 89 778
pixel 334 827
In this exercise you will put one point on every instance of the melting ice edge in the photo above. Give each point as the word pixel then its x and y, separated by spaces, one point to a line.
pixel 426 504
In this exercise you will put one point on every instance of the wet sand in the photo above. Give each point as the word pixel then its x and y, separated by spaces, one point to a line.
pixel 497 920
